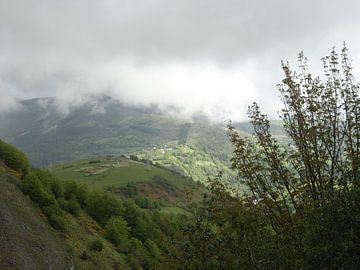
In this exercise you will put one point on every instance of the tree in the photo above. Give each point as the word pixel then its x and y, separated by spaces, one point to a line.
pixel 301 207
pixel 308 187
pixel 102 205
pixel 117 230
pixel 32 186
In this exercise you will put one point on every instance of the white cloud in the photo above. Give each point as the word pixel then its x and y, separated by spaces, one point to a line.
pixel 195 87
pixel 7 102
pixel 215 56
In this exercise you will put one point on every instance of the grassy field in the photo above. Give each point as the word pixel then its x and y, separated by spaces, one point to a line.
pixel 106 172
pixel 190 161
pixel 174 210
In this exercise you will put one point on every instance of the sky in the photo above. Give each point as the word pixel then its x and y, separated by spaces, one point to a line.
pixel 214 57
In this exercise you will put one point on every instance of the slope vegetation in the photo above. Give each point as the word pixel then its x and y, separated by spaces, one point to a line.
pixel 26 239
pixel 150 186
pixel 47 223
pixel 100 127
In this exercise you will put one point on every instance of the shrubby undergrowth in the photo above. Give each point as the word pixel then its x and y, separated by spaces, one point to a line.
pixel 13 158
pixel 133 231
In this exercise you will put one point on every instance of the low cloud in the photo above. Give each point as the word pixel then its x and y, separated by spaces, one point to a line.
pixel 189 89
pixel 210 56
pixel 7 102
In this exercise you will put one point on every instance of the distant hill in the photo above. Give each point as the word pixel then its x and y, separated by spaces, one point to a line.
pixel 47 136
pixel 104 126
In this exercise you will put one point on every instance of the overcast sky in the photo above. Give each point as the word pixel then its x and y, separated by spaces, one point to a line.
pixel 199 55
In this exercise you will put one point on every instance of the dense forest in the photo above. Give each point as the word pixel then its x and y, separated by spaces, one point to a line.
pixel 300 208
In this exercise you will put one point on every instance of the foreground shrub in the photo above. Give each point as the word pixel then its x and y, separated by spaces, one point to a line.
pixel 32 186
pixel 301 209
pixel 13 158
pixel 97 245
pixel 102 205
pixel 73 207
pixel 117 230
pixel 55 217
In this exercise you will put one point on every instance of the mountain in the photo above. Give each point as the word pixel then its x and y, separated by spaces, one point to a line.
pixel 88 130
pixel 104 126
pixel 196 148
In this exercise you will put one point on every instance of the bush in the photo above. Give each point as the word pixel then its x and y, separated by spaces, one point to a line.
pixel 55 217
pixel 152 248
pixel 63 204
pixel 137 257
pixel 81 195
pixel 50 182
pixel 73 206
pixel 57 222
pixel 103 205
pixel 97 245
pixel 13 158
pixel 44 177
pixel 133 157
pixel 94 161
pixel 117 231
pixel 84 256
pixel 72 189
pixel 57 189
pixel 32 186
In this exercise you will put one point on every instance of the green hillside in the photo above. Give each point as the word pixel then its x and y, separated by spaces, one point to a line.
pixel 30 235
pixel 131 178
pixel 47 223
pixel 194 148
pixel 48 136
pixel 111 171
pixel 189 161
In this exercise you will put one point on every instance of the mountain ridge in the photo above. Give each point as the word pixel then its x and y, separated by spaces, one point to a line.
pixel 104 126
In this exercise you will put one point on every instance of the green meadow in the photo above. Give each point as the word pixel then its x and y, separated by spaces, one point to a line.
pixel 106 172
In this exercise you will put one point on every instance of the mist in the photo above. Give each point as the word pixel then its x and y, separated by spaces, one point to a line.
pixel 203 56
